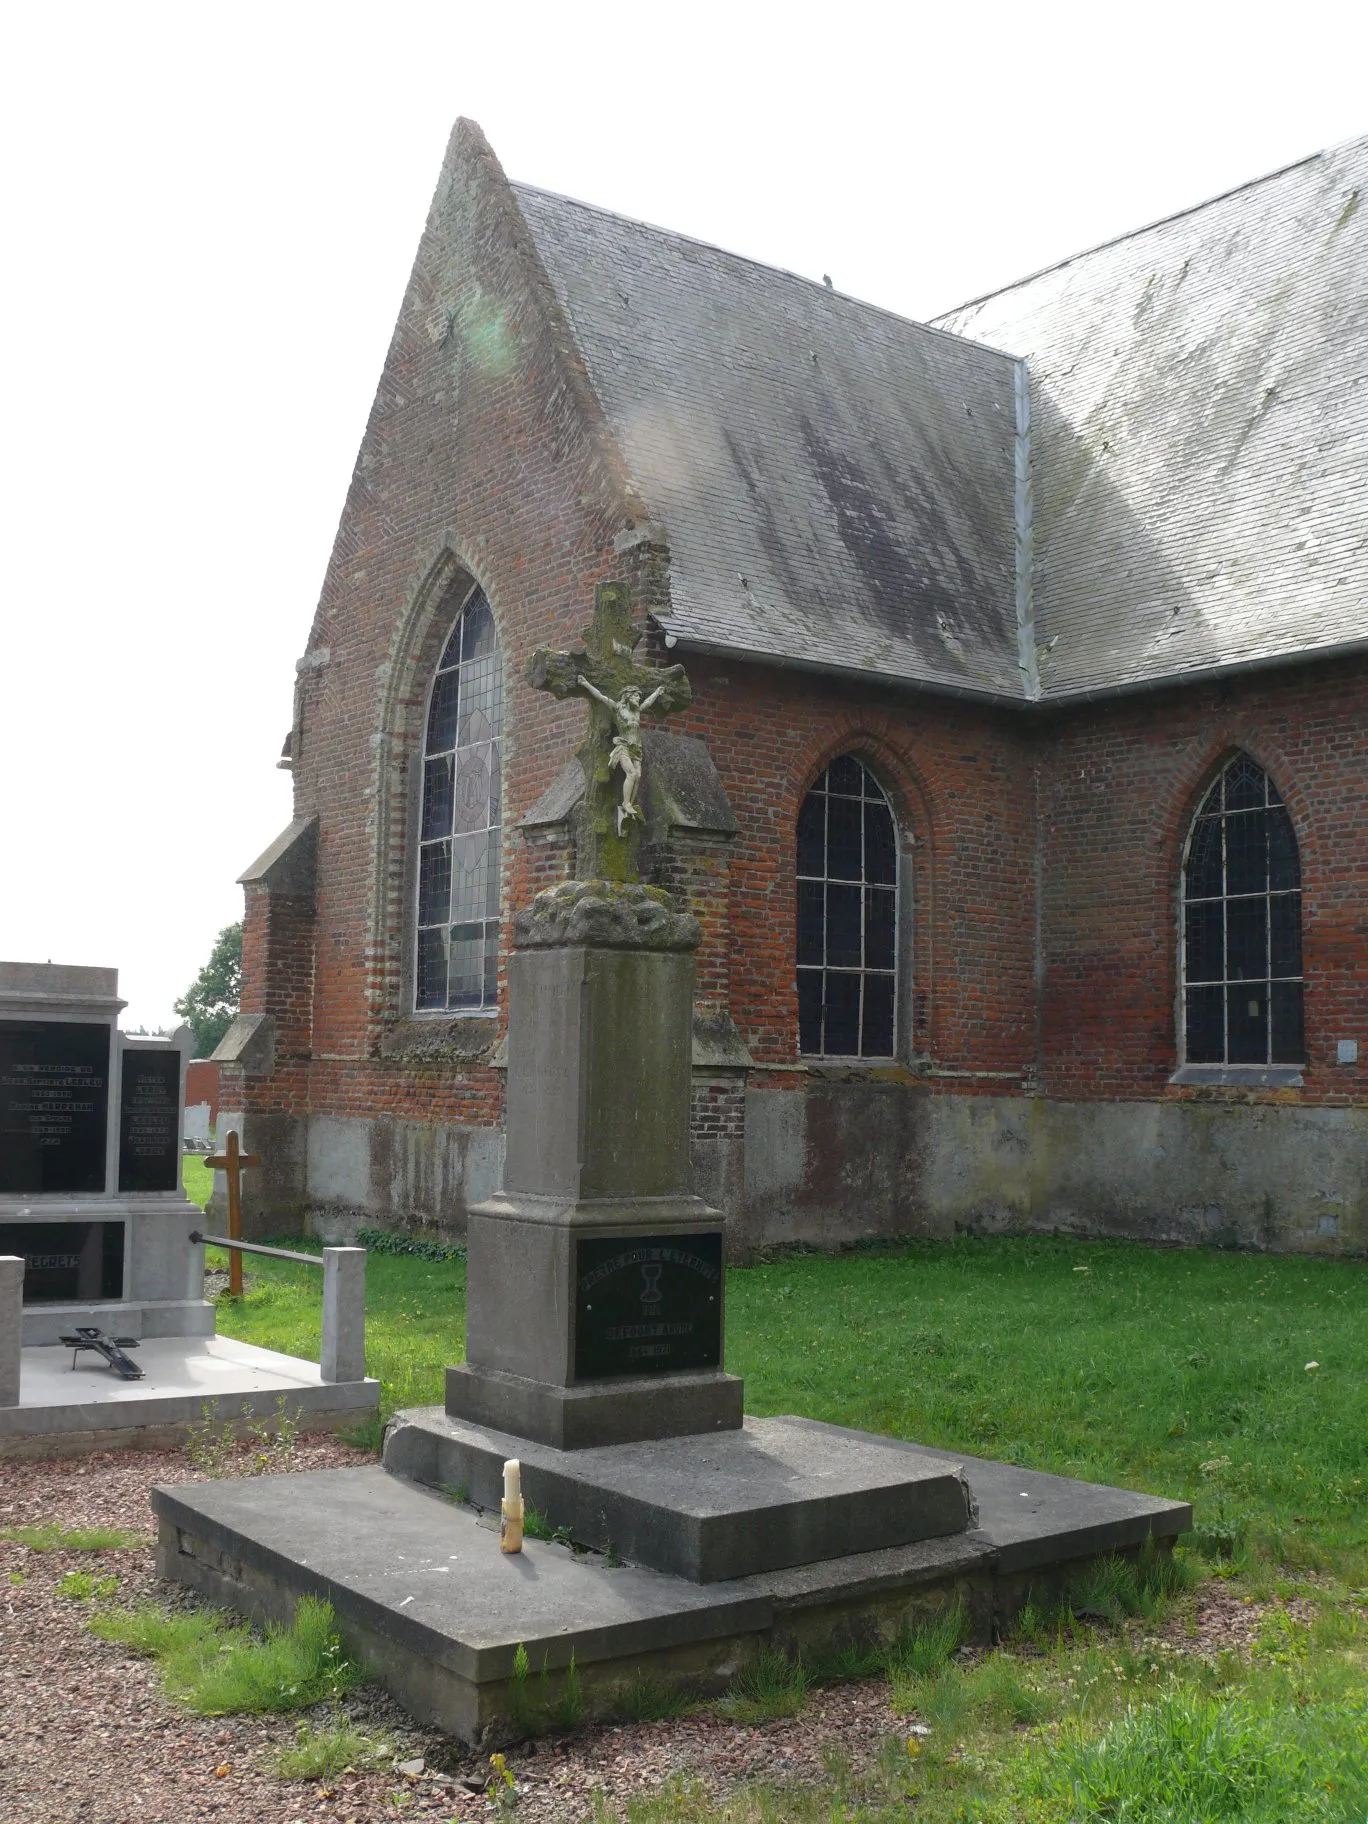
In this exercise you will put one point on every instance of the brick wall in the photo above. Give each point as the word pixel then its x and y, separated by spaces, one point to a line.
pixel 1043 851
pixel 1120 782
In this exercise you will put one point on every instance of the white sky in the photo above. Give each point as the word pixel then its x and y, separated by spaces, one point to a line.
pixel 210 216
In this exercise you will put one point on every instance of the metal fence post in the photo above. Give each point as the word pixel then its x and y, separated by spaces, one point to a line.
pixel 11 1326
pixel 344 1315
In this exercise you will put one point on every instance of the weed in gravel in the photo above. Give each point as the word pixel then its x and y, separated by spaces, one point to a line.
pixel 209 1443
pixel 773 1686
pixel 1112 1589
pixel 918 1652
pixel 218 1668
pixel 74 1539
pixel 85 1586
pixel 368 1435
pixel 839 1665
pixel 323 1754
pixel 535 1523
pixel 501 1789
pixel 647 1698
pixel 275 1440
pixel 533 1707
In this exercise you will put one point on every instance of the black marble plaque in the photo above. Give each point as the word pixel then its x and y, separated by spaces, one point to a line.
pixel 149 1121
pixel 67 1262
pixel 648 1304
pixel 54 1105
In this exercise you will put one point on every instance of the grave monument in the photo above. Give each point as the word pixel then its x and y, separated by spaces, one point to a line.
pixel 97 1235
pixel 90 1161
pixel 595 1357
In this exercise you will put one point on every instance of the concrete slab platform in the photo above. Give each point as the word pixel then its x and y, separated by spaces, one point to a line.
pixel 63 1412
pixel 710 1507
pixel 424 1594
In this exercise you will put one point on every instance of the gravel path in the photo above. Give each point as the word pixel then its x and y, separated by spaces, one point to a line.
pixel 87 1738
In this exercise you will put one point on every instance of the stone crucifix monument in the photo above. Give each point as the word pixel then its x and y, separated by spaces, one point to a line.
pixel 595 1277
pixel 593 1384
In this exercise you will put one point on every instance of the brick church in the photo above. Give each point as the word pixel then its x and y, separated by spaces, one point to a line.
pixel 1023 795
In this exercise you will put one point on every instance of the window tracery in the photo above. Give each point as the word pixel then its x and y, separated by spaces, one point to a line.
pixel 1241 938
pixel 847 915
pixel 457 948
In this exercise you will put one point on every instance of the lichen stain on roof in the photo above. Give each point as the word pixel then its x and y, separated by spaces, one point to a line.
pixel 1200 442
pixel 836 482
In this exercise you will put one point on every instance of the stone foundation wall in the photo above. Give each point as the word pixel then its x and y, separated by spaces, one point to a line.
pixel 832 1163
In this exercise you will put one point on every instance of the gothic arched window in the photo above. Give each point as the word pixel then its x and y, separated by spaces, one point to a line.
pixel 847 915
pixel 1242 955
pixel 458 858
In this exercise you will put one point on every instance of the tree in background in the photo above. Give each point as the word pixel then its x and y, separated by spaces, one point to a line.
pixel 209 1005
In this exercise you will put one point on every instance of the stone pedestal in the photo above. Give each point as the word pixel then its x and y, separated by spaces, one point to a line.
pixel 595 1278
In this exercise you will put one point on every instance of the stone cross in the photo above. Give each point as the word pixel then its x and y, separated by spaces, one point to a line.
pixel 230 1162
pixel 619 692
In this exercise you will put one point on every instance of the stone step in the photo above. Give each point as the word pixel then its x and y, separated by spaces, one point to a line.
pixel 709 1507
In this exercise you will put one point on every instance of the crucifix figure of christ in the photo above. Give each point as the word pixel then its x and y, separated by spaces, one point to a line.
pixel 625 753
pixel 619 691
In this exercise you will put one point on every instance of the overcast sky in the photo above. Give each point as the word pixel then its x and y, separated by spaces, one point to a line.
pixel 211 213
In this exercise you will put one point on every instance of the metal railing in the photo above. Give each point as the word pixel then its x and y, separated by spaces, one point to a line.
pixel 255 1247
pixel 342 1356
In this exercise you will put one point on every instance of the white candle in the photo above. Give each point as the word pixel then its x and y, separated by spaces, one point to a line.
pixel 512 1481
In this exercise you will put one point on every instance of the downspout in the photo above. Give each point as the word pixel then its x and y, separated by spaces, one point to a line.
pixel 1028 663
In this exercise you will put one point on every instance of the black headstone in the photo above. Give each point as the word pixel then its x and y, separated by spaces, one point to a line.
pixel 149 1121
pixel 54 1105
pixel 67 1262
pixel 647 1305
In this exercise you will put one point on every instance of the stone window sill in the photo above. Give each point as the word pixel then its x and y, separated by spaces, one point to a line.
pixel 1239 1076
pixel 440 1038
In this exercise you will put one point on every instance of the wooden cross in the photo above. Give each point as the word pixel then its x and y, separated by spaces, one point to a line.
pixel 230 1162
pixel 618 690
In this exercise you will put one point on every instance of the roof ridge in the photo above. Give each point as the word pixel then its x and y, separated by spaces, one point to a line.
pixel 742 259
pixel 1134 234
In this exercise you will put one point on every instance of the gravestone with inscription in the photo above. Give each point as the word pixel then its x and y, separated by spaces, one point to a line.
pixel 90 1161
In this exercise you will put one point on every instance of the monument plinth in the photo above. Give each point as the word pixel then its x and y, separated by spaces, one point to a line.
pixel 595 1277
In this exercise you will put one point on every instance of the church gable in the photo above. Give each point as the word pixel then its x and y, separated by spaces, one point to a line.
pixel 486 462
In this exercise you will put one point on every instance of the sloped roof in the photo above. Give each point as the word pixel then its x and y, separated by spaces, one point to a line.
pixel 1199 400
pixel 836 483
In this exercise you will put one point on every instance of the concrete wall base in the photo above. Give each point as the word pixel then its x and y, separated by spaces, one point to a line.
pixel 837 1162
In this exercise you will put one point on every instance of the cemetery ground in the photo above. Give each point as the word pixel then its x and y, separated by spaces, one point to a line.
pixel 1238 1381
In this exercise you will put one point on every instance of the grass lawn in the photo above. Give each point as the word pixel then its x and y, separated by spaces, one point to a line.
pixel 1182 1373
pixel 197 1178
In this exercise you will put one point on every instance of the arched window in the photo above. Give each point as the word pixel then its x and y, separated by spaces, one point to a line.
pixel 847 915
pixel 458 860
pixel 1242 958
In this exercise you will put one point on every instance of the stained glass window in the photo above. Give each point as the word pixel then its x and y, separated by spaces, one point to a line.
pixel 847 915
pixel 458 854
pixel 1242 958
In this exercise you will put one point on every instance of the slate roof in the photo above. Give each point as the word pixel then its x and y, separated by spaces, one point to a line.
pixel 836 483
pixel 841 488
pixel 1199 399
